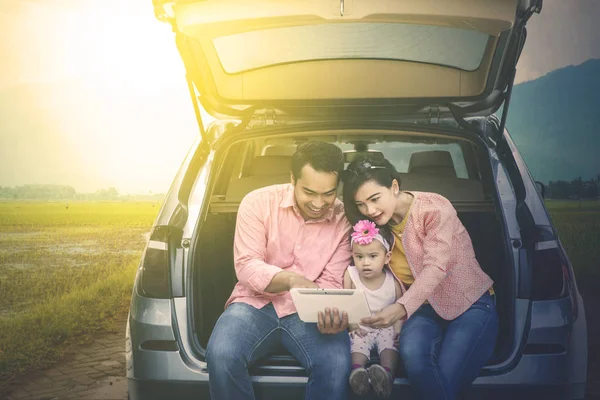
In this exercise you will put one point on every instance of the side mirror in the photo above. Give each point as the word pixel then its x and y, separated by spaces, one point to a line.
pixel 541 188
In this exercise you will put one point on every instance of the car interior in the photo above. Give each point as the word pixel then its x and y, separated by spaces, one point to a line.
pixel 454 168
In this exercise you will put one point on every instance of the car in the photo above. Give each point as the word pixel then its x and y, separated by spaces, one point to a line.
pixel 426 87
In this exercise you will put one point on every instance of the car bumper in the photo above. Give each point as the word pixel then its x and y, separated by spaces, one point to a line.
pixel 171 374
pixel 271 389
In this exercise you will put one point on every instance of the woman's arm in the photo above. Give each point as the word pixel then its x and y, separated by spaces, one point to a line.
pixel 441 224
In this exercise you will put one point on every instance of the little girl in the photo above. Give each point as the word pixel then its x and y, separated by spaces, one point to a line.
pixel 371 252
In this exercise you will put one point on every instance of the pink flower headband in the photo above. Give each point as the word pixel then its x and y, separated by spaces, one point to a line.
pixel 364 233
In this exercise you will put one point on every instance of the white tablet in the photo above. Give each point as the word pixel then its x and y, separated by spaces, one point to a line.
pixel 309 302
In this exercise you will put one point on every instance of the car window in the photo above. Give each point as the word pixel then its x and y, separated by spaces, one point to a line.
pixel 400 154
pixel 452 47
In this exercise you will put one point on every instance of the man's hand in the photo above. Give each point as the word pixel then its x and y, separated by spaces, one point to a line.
pixel 299 281
pixel 330 323
pixel 285 280
pixel 387 316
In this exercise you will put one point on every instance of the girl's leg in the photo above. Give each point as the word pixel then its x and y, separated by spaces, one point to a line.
pixel 389 360
pixel 420 340
pixel 361 351
pixel 468 343
pixel 359 377
pixel 388 353
pixel 359 359
pixel 382 376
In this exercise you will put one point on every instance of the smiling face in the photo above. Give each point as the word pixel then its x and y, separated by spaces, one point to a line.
pixel 370 259
pixel 376 201
pixel 315 192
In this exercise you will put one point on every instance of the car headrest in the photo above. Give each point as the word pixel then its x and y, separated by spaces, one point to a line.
pixel 270 165
pixel 351 155
pixel 279 150
pixel 435 162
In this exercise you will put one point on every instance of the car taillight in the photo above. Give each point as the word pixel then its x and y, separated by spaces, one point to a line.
pixel 548 275
pixel 551 276
pixel 154 272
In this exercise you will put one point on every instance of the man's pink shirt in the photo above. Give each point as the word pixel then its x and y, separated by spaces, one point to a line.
pixel 272 236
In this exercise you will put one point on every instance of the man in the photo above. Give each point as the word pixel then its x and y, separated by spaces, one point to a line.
pixel 287 236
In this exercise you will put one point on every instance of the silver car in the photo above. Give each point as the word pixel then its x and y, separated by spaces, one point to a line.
pixel 417 84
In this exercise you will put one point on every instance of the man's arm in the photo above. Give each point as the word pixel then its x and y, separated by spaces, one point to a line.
pixel 330 321
pixel 286 280
pixel 331 277
pixel 250 247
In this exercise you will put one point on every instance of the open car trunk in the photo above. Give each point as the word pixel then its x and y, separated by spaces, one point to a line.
pixel 348 58
pixel 455 167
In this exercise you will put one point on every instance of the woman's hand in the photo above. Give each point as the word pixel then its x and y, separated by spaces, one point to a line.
pixel 387 316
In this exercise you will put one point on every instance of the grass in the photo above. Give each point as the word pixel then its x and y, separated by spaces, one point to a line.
pixel 68 272
pixel 578 225
pixel 64 274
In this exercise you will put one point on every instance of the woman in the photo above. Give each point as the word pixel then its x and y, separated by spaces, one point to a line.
pixel 448 302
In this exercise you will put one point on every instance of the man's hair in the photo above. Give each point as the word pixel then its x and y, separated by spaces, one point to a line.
pixel 321 156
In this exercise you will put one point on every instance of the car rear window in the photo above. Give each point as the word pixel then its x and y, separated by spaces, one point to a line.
pixel 451 47
pixel 399 154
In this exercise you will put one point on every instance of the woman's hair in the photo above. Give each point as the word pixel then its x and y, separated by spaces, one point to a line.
pixel 360 171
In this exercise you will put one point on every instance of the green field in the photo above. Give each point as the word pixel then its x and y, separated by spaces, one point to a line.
pixel 67 272
pixel 578 225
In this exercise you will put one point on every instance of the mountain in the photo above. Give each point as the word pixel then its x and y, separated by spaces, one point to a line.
pixel 555 122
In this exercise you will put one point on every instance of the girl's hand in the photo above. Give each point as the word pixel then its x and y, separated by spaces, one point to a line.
pixel 387 316
pixel 360 332
pixel 397 340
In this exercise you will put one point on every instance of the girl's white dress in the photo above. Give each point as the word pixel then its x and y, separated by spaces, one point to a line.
pixel 381 338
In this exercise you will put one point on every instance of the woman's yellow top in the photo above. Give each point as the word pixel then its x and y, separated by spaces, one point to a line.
pixel 399 263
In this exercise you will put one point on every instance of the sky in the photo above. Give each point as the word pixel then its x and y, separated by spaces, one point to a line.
pixel 136 123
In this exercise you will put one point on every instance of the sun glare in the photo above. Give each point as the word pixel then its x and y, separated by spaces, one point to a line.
pixel 131 105
pixel 119 52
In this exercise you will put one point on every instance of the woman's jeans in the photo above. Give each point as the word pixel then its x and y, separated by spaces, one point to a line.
pixel 442 358
pixel 244 334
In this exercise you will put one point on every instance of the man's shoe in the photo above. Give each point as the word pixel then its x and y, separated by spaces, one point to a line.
pixel 381 381
pixel 359 381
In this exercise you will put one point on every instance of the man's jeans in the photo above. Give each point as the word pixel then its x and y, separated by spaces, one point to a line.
pixel 244 334
pixel 442 358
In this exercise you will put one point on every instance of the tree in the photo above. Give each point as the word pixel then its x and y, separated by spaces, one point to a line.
pixel 559 190
pixel 590 189
pixel 577 188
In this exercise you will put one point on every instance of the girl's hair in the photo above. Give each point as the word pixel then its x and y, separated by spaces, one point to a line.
pixel 362 170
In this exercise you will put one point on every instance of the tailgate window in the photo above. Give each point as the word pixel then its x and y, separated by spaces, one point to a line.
pixel 457 48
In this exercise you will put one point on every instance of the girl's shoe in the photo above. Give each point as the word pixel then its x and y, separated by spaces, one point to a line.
pixel 381 380
pixel 359 381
